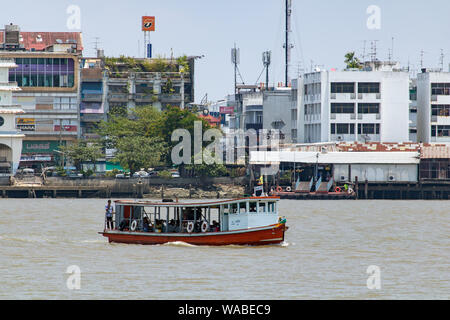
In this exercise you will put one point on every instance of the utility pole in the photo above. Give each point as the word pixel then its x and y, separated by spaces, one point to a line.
pixel 235 61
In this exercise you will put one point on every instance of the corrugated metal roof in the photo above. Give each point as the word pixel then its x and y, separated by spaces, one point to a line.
pixel 41 40
pixel 267 157
pixel 435 152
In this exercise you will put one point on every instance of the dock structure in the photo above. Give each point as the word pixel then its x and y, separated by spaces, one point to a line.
pixel 54 192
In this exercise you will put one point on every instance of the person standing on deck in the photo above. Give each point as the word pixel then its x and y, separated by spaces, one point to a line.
pixel 109 211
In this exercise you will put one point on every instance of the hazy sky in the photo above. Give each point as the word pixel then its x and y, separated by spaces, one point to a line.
pixel 322 32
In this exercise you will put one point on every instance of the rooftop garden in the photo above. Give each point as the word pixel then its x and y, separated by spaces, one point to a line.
pixel 127 64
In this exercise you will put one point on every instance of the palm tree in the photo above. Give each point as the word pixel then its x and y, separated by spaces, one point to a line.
pixel 352 61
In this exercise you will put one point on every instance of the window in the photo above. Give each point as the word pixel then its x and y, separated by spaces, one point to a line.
pixel 442 110
pixel 368 108
pixel 262 207
pixel 440 89
pixel 433 131
pixel 342 87
pixel 369 87
pixel 443 131
pixel 368 128
pixel 342 128
pixel 342 108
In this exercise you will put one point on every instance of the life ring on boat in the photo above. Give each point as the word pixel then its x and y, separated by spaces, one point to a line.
pixel 350 190
pixel 288 189
pixel 190 227
pixel 338 189
pixel 205 226
pixel 279 189
pixel 133 225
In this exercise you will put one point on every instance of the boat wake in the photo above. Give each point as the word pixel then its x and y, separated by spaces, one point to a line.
pixel 179 244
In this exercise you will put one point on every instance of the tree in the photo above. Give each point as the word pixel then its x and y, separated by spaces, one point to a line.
pixel 352 61
pixel 82 151
pixel 135 152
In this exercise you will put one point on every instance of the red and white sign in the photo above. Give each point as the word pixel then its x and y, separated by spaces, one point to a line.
pixel 227 110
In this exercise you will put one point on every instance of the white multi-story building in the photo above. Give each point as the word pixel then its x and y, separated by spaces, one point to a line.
pixel 413 110
pixel 433 106
pixel 365 105
pixel 10 137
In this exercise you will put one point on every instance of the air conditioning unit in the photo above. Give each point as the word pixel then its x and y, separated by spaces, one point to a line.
pixel 391 177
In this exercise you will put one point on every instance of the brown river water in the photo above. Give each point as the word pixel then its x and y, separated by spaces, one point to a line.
pixel 329 247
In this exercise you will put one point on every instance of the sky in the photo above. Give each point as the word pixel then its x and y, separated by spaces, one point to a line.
pixel 323 31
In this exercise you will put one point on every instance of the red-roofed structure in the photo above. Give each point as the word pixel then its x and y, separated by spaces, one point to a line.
pixel 213 121
pixel 38 41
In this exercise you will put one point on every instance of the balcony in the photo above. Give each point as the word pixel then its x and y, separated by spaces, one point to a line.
pixel 91 97
pixel 145 97
pixel 168 98
pixel 119 97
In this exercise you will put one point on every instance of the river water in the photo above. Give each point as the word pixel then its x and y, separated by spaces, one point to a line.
pixel 329 247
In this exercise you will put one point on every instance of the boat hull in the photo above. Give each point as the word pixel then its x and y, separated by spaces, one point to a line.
pixel 273 234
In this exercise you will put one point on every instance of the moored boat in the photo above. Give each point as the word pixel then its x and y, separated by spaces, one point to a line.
pixel 245 221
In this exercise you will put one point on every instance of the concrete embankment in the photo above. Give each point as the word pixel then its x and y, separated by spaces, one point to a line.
pixel 194 188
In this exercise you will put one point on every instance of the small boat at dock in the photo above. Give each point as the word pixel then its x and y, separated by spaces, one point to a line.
pixel 245 221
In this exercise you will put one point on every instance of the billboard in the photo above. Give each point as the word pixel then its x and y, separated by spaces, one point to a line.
pixel 227 110
pixel 148 23
pixel 26 124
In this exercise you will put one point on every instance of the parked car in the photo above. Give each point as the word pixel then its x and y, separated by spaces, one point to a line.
pixel 125 175
pixel 140 174
pixel 175 174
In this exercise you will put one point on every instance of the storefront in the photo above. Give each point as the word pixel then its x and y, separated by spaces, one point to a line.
pixel 39 153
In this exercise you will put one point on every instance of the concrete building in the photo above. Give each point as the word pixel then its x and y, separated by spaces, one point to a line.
pixel 413 110
pixel 433 106
pixel 269 109
pixel 371 104
pixel 48 74
pixel 10 137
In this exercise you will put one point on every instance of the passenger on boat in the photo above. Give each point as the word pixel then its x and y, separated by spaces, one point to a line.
pixel 215 226
pixel 172 227
pixel 109 211
pixel 159 226
pixel 124 224
pixel 147 227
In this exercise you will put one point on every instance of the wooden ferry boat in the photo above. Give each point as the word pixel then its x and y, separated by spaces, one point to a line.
pixel 246 221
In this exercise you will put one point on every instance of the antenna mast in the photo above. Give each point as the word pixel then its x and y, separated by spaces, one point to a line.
pixel 287 46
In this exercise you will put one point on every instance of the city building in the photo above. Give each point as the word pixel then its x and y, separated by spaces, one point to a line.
pixel 10 136
pixel 413 110
pixel 371 104
pixel 433 106
pixel 272 108
pixel 48 74
pixel 160 82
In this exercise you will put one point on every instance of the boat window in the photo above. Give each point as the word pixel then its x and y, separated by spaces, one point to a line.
pixel 242 207
pixel 234 208
pixel 262 207
pixel 252 206
pixel 271 206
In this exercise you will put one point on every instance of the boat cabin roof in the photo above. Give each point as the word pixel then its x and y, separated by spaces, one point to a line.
pixel 216 203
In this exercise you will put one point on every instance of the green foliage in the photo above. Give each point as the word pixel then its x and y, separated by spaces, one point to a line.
pixel 159 64
pixel 122 131
pixel 135 152
pixel 166 174
pixel 112 173
pixel 352 61
pixel 82 151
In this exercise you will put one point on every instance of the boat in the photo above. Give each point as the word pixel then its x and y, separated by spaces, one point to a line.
pixel 244 221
